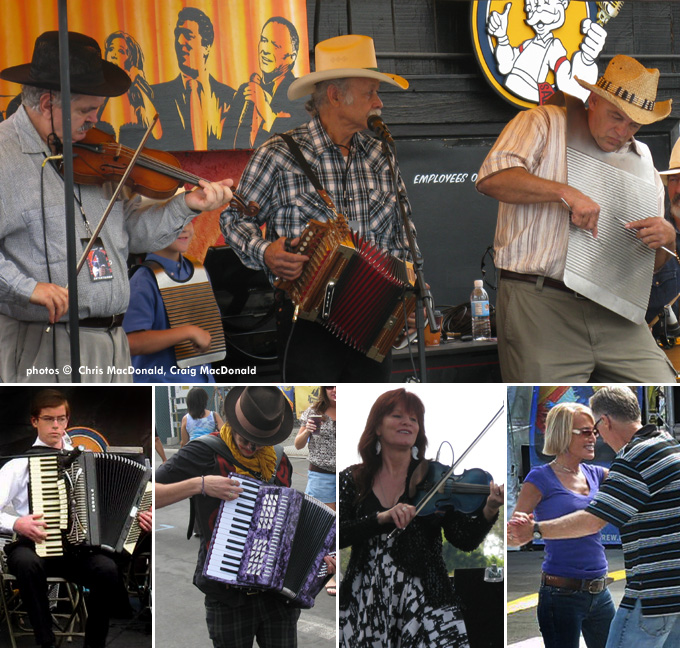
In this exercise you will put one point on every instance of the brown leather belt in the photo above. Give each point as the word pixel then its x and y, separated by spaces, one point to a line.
pixel 102 322
pixel 594 586
pixel 534 279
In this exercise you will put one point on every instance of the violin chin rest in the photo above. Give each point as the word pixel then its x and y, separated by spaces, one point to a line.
pixel 419 474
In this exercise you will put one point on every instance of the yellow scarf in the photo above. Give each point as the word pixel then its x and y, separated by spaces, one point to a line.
pixel 263 462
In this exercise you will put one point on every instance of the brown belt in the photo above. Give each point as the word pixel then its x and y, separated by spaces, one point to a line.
pixel 533 279
pixel 102 322
pixel 594 586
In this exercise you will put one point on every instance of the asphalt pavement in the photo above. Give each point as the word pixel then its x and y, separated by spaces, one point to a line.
pixel 523 576
pixel 178 606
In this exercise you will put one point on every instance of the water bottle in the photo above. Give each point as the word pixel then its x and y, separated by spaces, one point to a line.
pixel 479 303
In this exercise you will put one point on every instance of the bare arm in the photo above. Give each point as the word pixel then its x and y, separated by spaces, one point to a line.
pixel 210 485
pixel 218 421
pixel 529 498
pixel 183 435
pixel 145 342
pixel 519 187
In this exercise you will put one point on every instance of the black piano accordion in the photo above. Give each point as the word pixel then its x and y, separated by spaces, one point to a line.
pixel 272 538
pixel 358 292
pixel 92 500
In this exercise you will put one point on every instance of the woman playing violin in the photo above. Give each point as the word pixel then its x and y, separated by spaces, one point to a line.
pixel 396 591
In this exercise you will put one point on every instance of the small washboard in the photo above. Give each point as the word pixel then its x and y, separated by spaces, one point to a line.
pixel 192 302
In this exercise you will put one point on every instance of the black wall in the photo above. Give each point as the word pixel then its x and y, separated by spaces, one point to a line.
pixel 121 413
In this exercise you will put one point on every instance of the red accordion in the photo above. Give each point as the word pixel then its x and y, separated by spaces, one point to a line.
pixel 361 294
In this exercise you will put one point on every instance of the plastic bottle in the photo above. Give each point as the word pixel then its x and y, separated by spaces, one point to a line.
pixel 479 303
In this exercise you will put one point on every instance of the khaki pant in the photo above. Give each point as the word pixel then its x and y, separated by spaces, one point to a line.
pixel 29 354
pixel 547 335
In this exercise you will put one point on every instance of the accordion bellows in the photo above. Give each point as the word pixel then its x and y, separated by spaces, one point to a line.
pixel 360 293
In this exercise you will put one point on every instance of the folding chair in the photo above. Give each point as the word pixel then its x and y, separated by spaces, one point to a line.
pixel 67 603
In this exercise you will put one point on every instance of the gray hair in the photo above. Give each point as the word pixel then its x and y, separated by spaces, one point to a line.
pixel 320 95
pixel 620 403
pixel 30 96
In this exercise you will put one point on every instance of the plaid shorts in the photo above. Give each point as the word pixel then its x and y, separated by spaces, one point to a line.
pixel 269 619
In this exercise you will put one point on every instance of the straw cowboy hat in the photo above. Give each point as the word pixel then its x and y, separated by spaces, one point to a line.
pixel 92 75
pixel 341 57
pixel 674 164
pixel 262 415
pixel 631 87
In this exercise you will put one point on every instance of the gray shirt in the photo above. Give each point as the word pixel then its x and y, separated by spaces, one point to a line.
pixel 33 237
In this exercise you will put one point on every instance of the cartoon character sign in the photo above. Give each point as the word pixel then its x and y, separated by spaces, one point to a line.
pixel 532 49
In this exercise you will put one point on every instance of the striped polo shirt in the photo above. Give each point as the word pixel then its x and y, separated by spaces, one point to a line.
pixel 641 496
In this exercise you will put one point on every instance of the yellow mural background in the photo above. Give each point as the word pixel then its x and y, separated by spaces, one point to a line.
pixel 233 57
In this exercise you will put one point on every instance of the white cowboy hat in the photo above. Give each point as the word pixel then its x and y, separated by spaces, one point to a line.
pixel 631 87
pixel 342 57
pixel 674 164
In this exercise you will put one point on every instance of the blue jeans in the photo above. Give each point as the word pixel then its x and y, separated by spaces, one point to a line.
pixel 630 628
pixel 564 614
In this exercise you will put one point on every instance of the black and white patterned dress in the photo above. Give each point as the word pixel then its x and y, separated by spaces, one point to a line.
pixel 396 592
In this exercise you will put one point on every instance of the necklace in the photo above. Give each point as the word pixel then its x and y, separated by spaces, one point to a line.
pixel 566 468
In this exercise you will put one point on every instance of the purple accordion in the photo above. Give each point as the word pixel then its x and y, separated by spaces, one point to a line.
pixel 273 538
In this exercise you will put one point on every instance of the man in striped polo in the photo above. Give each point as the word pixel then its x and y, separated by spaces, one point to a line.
pixel 546 331
pixel 641 496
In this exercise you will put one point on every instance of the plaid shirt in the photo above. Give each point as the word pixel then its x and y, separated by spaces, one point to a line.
pixel 360 186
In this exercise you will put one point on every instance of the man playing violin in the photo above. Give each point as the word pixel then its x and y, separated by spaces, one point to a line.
pixel 352 167
pixel 32 231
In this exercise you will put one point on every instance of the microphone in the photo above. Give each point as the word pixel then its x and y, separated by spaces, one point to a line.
pixel 377 125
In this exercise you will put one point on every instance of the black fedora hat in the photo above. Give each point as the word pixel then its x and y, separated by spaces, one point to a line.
pixel 261 415
pixel 90 73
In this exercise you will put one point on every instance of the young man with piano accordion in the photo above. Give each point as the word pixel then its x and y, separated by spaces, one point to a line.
pixel 88 566
pixel 257 419
pixel 352 168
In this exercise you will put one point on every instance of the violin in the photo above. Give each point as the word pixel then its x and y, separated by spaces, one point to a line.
pixel 466 492
pixel 98 158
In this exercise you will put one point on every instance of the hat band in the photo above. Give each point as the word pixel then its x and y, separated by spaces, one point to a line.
pixel 622 93
pixel 251 429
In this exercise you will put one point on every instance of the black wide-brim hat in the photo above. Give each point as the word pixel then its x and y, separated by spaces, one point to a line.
pixel 261 415
pixel 90 73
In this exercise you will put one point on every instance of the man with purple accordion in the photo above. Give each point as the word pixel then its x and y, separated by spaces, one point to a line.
pixel 29 556
pixel 319 171
pixel 222 472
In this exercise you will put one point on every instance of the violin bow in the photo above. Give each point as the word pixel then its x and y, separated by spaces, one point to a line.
pixel 442 481
pixel 112 202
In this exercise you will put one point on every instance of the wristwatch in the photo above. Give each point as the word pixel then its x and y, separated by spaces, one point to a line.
pixel 537 532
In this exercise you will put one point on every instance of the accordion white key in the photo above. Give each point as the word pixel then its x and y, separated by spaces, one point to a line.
pixel 272 538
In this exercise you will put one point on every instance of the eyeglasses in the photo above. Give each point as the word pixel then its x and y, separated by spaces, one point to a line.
pixel 597 423
pixel 51 419
pixel 587 431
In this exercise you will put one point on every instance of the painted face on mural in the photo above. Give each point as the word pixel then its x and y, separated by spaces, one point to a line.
pixel 545 16
pixel 191 53
pixel 275 51
pixel 117 53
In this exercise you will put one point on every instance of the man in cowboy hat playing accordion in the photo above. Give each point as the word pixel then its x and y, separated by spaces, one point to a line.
pixel 353 169
pixel 546 331
pixel 33 264
pixel 257 419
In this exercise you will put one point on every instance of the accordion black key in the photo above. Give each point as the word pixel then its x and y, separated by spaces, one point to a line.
pixel 272 538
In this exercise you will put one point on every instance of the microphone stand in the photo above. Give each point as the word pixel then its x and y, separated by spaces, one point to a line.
pixel 423 295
